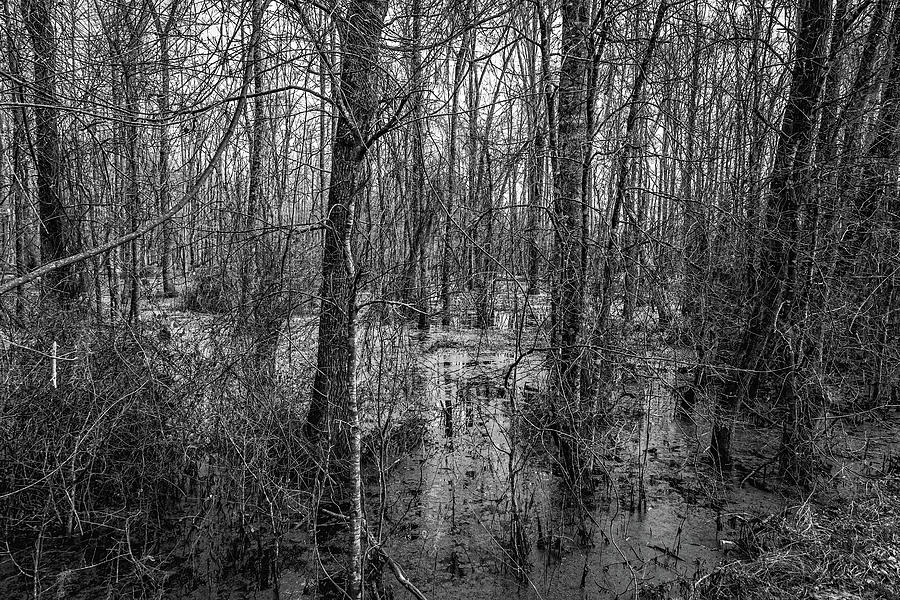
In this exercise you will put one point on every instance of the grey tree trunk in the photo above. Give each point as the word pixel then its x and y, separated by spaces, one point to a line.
pixel 333 418
pixel 452 183
pixel 778 254
pixel 59 234
pixel 414 290
pixel 135 23
pixel 535 170
pixel 167 242
pixel 483 207
pixel 621 199
pixel 568 285
pixel 696 239
pixel 535 182
pixel 262 306
pixel 876 205
pixel 19 163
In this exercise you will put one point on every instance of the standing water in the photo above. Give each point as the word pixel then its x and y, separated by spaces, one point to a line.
pixel 477 510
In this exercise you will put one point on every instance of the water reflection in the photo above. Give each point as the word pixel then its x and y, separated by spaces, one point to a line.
pixel 461 496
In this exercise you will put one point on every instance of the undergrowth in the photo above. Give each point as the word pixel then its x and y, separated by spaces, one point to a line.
pixel 847 551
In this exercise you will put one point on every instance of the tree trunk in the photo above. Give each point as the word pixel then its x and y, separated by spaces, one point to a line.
pixel 414 290
pixel 567 289
pixel 333 418
pixel 534 174
pixel 58 232
pixel 469 218
pixel 621 198
pixel 19 165
pixel 696 239
pixel 261 286
pixel 449 202
pixel 778 257
pixel 483 208
pixel 165 193
pixel 875 208
pixel 135 23
pixel 757 143
pixel 484 265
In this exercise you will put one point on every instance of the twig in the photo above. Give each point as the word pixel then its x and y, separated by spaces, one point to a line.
pixel 395 568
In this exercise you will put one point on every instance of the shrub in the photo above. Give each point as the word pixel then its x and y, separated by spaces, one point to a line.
pixel 211 292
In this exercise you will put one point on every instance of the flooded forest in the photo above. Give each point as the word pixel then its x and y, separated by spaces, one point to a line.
pixel 450 299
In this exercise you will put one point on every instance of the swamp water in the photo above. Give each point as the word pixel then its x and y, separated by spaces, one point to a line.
pixel 454 502
pixel 450 508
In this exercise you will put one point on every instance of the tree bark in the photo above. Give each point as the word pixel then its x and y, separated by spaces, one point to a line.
pixel 696 240
pixel 567 288
pixel 19 164
pixel 333 418
pixel 535 170
pixel 414 281
pixel 135 22
pixel 167 241
pixel 778 257
pixel 450 201
pixel 261 286
pixel 58 231
pixel 621 199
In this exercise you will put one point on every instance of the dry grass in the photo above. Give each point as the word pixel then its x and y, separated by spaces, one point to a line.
pixel 851 550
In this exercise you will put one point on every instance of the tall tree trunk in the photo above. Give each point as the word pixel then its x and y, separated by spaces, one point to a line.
pixel 534 172
pixel 420 199
pixel 853 118
pixel 695 236
pixel 58 231
pixel 758 127
pixel 250 261
pixel 597 45
pixel 135 21
pixel 325 119
pixel 414 284
pixel 261 288
pixel 534 178
pixel 469 217
pixel 165 145
pixel 875 207
pixel 621 199
pixel 567 289
pixel 838 149
pixel 483 207
pixel 452 183
pixel 484 263
pixel 333 418
pixel 19 165
pixel 778 253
